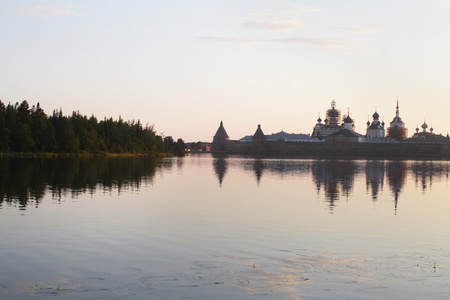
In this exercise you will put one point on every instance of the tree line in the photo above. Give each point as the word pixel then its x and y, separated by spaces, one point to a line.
pixel 25 129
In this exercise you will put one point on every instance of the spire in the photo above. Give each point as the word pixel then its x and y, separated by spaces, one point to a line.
pixel 397 114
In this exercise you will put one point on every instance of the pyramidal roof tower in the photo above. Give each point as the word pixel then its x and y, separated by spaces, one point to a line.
pixel 259 135
pixel 259 141
pixel 220 139
pixel 221 134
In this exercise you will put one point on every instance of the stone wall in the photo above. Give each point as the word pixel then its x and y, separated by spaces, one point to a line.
pixel 341 149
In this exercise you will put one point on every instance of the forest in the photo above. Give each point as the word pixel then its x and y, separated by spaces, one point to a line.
pixel 30 130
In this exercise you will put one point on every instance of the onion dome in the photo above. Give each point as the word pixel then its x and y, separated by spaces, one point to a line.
pixel 319 120
pixel 376 116
pixel 382 123
pixel 424 125
pixel 333 113
pixel 368 123
pixel 348 119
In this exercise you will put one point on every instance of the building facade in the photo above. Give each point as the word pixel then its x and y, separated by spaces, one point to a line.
pixel 375 129
pixel 330 125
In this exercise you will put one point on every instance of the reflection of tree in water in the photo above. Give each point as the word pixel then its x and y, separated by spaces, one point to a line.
pixel 335 177
pixel 25 180
pixel 425 171
pixel 374 177
pixel 396 175
pixel 220 167
pixel 21 181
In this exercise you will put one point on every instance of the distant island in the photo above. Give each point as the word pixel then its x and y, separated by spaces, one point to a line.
pixel 30 130
pixel 336 136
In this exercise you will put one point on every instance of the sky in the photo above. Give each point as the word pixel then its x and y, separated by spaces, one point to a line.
pixel 184 66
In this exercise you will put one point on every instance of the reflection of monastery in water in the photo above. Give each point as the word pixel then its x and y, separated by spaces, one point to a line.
pixel 336 135
pixel 375 177
pixel 336 178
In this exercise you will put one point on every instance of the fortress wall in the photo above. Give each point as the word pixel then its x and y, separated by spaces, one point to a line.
pixel 236 147
pixel 446 150
pixel 339 149
pixel 356 149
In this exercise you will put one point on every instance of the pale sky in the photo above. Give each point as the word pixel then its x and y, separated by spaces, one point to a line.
pixel 184 66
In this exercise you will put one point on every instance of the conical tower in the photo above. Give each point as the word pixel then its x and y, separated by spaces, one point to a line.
pixel 220 139
pixel 259 141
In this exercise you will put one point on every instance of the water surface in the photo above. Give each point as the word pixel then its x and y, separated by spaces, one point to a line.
pixel 204 227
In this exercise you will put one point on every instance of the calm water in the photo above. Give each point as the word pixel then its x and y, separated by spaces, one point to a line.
pixel 201 227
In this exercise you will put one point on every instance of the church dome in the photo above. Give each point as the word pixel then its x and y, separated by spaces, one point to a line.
pixel 348 120
pixel 424 125
pixel 375 115
pixel 333 113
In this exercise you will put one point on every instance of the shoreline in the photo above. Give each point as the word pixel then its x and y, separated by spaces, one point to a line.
pixel 54 155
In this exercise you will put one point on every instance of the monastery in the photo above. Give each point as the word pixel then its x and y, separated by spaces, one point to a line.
pixel 336 135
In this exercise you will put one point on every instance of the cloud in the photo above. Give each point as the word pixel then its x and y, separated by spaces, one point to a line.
pixel 277 21
pixel 275 25
pixel 290 20
pixel 226 39
pixel 365 30
pixel 301 8
pixel 47 11
pixel 329 44
pixel 323 43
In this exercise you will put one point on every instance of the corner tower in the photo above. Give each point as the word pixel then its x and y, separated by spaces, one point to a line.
pixel 220 139
pixel 259 141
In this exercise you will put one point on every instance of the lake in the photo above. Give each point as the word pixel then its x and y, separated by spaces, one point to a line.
pixel 204 227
